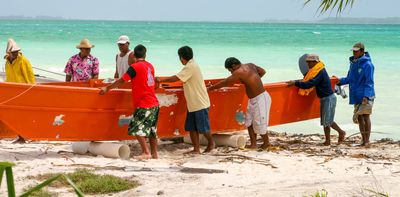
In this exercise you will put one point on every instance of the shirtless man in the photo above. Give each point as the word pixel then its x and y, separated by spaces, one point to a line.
pixel 258 107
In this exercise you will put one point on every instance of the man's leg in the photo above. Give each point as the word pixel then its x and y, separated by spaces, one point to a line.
pixel 265 139
pixel 367 127
pixel 153 147
pixel 211 144
pixel 253 137
pixel 342 134
pixel 361 126
pixel 145 150
pixel 194 137
pixel 327 131
pixel 19 140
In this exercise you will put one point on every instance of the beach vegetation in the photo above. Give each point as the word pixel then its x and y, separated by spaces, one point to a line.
pixel 41 193
pixel 90 183
pixel 322 193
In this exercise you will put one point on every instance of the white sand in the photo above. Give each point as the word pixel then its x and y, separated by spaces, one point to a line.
pixel 297 167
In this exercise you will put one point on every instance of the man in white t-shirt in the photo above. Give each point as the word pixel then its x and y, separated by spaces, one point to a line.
pixel 198 102
pixel 125 58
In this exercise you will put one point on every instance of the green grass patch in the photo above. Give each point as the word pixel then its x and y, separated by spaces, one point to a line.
pixel 322 193
pixel 90 183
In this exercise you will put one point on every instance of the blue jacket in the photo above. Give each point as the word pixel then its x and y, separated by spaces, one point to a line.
pixel 360 79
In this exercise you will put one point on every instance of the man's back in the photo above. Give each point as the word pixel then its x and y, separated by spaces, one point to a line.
pixel 194 88
pixel 141 75
pixel 250 77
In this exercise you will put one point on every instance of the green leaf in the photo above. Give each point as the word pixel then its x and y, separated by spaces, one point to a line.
pixel 1 175
pixel 10 182
pixel 326 5
pixel 40 186
pixel 77 190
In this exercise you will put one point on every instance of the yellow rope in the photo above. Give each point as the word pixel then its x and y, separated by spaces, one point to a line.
pixel 4 102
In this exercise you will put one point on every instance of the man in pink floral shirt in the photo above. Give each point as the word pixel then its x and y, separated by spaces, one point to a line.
pixel 82 66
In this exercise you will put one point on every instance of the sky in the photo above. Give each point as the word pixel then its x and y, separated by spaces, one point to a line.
pixel 192 10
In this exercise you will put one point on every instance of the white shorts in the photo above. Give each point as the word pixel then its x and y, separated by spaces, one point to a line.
pixel 258 113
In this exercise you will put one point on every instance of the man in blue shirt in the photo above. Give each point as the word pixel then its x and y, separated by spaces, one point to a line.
pixel 318 77
pixel 361 86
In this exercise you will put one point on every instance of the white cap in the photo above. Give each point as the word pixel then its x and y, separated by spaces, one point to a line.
pixel 123 39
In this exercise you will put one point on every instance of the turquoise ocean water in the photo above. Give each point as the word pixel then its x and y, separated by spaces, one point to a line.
pixel 275 47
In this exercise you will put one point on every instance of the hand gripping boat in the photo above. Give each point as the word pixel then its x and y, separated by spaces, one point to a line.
pixel 74 111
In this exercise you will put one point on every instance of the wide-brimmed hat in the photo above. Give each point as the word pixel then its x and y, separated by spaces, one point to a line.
pixel 12 46
pixel 85 44
pixel 123 39
pixel 312 58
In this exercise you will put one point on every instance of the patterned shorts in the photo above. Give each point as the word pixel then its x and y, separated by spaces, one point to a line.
pixel 144 122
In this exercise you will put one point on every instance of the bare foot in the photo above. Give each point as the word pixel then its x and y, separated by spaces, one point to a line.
pixel 209 148
pixel 192 152
pixel 19 140
pixel 143 157
pixel 252 147
pixel 154 156
pixel 365 144
pixel 265 146
pixel 326 143
pixel 342 136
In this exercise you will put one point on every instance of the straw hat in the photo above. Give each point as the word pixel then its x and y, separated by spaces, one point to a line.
pixel 85 43
pixel 12 46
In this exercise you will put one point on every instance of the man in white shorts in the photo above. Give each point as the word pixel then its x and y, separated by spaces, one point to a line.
pixel 257 116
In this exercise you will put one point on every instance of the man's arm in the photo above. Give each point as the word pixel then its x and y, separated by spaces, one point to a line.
pixel 261 72
pixel 68 78
pixel 68 71
pixel 226 82
pixel 95 68
pixel 117 83
pixel 344 80
pixel 369 81
pixel 116 67
pixel 167 79
pixel 131 58
pixel 309 84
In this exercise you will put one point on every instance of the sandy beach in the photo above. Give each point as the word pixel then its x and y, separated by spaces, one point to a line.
pixel 296 165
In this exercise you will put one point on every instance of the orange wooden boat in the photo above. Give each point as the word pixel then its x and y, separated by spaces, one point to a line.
pixel 75 111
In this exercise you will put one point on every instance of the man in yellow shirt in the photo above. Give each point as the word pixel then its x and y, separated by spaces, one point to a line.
pixel 197 100
pixel 18 69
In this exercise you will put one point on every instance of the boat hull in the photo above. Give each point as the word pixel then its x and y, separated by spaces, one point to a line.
pixel 76 112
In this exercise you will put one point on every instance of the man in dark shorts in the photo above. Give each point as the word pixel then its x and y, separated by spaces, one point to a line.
pixel 144 122
pixel 197 100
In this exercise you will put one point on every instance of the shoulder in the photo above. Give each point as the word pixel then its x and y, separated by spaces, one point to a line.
pixel 74 57
pixel 92 57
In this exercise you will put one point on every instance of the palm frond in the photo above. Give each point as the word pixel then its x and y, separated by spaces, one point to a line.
pixel 327 5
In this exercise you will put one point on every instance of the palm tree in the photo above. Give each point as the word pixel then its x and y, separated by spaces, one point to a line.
pixel 326 5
